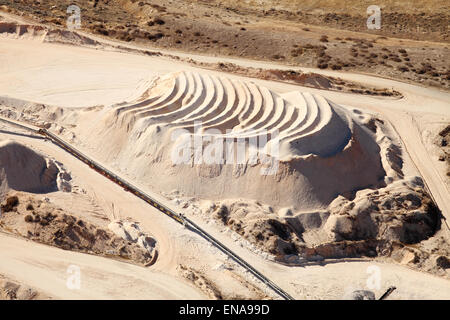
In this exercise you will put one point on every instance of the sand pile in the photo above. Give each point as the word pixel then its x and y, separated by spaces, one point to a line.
pixel 299 142
pixel 22 169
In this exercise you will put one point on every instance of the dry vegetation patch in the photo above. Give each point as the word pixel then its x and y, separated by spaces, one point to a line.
pixel 40 221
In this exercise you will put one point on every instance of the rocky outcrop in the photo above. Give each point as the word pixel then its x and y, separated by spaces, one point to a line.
pixel 48 225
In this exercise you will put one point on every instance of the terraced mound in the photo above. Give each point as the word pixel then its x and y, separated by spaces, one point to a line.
pixel 211 135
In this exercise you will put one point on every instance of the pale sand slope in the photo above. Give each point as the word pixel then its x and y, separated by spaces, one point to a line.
pixel 45 268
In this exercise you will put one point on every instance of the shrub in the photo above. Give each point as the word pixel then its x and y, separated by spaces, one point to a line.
pixel 102 31
pixel 324 38
pixel 156 36
pixel 277 57
pixel 11 202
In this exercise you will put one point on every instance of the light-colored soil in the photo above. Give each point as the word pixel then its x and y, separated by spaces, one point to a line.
pixel 188 266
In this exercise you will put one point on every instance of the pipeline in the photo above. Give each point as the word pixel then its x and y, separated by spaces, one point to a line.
pixel 180 218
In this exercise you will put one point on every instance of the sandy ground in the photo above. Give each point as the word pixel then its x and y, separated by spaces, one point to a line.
pixel 47 268
pixel 77 77
pixel 24 80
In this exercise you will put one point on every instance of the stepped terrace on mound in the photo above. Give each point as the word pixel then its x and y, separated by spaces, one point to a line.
pixel 320 151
